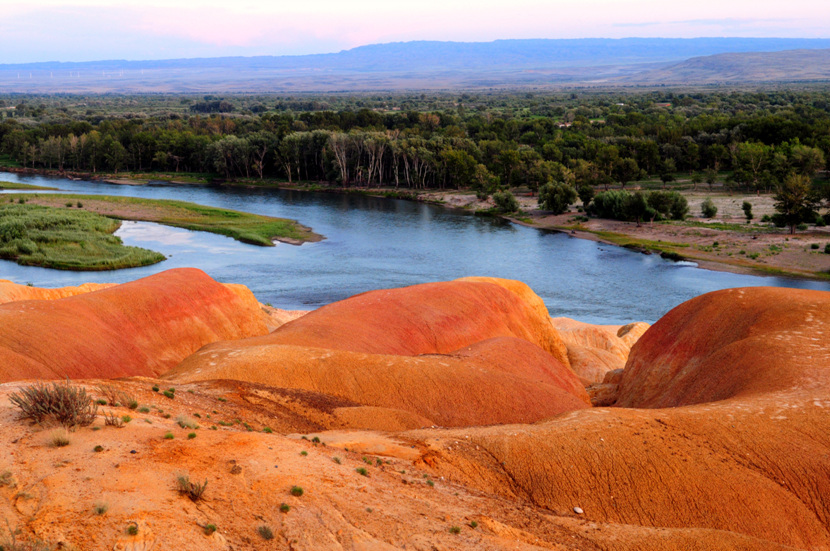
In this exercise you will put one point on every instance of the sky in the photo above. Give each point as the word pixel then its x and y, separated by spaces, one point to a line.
pixel 87 30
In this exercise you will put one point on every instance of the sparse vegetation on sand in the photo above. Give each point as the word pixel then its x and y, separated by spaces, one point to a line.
pixel 194 490
pixel 15 185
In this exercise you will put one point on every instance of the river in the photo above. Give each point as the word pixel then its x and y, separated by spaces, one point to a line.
pixel 374 243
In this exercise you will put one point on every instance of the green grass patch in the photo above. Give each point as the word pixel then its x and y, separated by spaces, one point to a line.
pixel 65 239
pixel 242 226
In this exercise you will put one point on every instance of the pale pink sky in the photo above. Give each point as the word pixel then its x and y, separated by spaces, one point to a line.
pixel 79 30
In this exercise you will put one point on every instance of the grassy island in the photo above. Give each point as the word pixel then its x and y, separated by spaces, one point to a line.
pixel 74 232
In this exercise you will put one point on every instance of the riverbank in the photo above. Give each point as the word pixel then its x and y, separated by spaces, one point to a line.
pixel 726 243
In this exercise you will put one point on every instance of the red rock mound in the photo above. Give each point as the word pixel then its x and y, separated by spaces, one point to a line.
pixel 433 318
pixel 732 343
pixel 748 452
pixel 11 292
pixel 501 380
pixel 141 328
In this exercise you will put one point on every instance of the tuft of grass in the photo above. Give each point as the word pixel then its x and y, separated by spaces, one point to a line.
pixel 69 405
pixel 59 438
pixel 209 529
pixel 455 529
pixel 194 490
pixel 98 449
pixel 113 420
pixel 191 436
pixel 155 388
pixel 361 471
pixel 296 491
pixel 126 418
pixel 267 430
pixel 473 524
pixel 284 508
pixel 337 460
pixel 100 507
pixel 169 394
pixel 186 422
pixel 132 529
pixel 144 409
pixel 304 453
pixel 168 436
pixel 265 532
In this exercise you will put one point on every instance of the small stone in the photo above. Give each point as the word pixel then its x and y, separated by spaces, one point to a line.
pixel 578 510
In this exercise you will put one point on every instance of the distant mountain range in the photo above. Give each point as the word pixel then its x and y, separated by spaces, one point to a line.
pixel 448 65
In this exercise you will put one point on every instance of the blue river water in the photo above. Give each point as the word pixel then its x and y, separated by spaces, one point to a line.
pixel 374 243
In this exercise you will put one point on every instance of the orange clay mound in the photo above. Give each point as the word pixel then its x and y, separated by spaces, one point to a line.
pixel 11 292
pixel 755 462
pixel 732 343
pixel 500 380
pixel 433 318
pixel 144 327
pixel 594 350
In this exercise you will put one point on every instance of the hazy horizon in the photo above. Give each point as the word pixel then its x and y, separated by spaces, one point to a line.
pixel 92 30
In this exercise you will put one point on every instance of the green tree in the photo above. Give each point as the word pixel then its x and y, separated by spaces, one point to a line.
pixel 556 197
pixel 795 201
pixel 747 208
pixel 708 208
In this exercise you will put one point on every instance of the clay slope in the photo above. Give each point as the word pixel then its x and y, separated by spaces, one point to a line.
pixel 733 343
pixel 11 292
pixel 594 350
pixel 433 318
pixel 500 380
pixel 140 328
pixel 748 452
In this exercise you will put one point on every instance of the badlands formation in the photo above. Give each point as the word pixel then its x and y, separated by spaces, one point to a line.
pixel 453 415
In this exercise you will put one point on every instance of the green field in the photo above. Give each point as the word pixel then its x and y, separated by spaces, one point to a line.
pixel 65 239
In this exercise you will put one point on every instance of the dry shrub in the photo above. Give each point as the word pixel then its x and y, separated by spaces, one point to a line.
pixel 69 405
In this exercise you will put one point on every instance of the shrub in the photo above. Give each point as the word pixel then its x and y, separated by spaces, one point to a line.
pixel 668 204
pixel 556 197
pixel 304 453
pixel 747 208
pixel 98 448
pixel 193 490
pixel 284 508
pixel 586 194
pixel 801 227
pixel 505 202
pixel 144 410
pixel 473 524
pixel 265 532
pixel 100 508
pixel 168 436
pixel 296 491
pixel 69 405
pixel 827 249
pixel 132 404
pixel 113 420
pixel 132 529
pixel 455 529
pixel 708 208
pixel 814 246
pixel 209 529
pixel 186 422
pixel 361 471
pixel 126 418
pixel 59 438
pixel 337 460
pixel 820 221
pixel 155 388
pixel 114 396
pixel 610 204
pixel 169 394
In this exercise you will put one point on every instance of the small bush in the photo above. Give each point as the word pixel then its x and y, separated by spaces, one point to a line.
pixel 505 202
pixel 193 490
pixel 296 491
pixel 100 508
pixel 473 524
pixel 126 418
pixel 284 508
pixel 708 208
pixel 132 529
pixel 113 420
pixel 820 222
pixel 747 208
pixel 98 449
pixel 69 405
pixel 209 529
pixel 168 436
pixel 455 529
pixel 827 249
pixel 337 460
pixel 191 436
pixel 814 246
pixel 155 388
pixel 144 410
pixel 361 471
pixel 132 404
pixel 801 227
pixel 265 532
pixel 766 219
pixel 186 422
pixel 304 453
pixel 267 430
pixel 114 396
pixel 169 394
pixel 59 438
